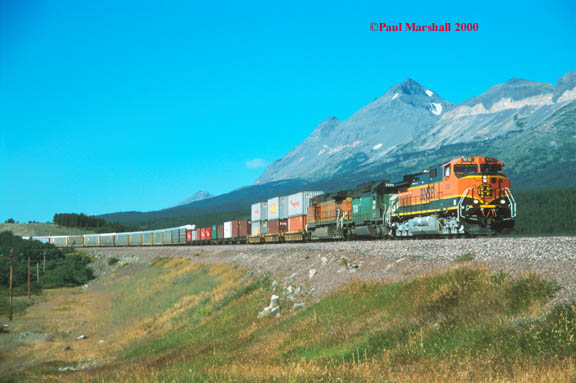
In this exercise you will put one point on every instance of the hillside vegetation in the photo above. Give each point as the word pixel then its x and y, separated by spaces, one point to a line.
pixel 51 267
pixel 41 229
pixel 173 321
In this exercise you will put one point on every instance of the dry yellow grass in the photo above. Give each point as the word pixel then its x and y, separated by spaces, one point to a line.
pixel 153 308
pixel 61 315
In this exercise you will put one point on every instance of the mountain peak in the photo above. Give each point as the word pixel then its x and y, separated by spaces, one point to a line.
pixel 198 196
pixel 410 87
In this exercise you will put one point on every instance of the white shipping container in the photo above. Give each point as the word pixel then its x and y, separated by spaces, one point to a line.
pixel 298 202
pixel 255 228
pixel 228 229
pixel 273 208
pixel 277 208
pixel 194 235
pixel 259 211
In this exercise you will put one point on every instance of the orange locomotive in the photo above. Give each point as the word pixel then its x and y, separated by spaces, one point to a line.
pixel 468 195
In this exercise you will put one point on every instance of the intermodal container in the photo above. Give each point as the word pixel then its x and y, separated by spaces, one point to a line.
pixel 243 227
pixel 202 233
pixel 298 202
pixel 296 223
pixel 255 230
pixel 277 226
pixel 259 227
pixel 228 229
pixel 209 233
pixel 189 235
pixel 259 211
pixel 278 208
pixel 214 232
pixel 221 231
pixel 235 228
pixel 198 234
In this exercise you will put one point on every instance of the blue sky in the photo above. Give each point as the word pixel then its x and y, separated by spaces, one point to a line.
pixel 112 106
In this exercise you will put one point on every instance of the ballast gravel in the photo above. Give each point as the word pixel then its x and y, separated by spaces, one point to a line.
pixel 336 263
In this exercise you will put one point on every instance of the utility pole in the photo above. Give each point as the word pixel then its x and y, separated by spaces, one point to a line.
pixel 11 277
pixel 37 271
pixel 44 268
pixel 29 280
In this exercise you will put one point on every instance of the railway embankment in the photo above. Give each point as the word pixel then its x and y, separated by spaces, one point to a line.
pixel 427 310
pixel 335 263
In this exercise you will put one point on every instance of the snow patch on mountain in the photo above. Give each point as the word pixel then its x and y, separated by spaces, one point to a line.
pixel 436 108
pixel 503 104
pixel 568 95
pixel 377 146
pixel 395 96
pixel 429 92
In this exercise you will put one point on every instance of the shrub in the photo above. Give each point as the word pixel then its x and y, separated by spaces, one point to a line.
pixel 112 261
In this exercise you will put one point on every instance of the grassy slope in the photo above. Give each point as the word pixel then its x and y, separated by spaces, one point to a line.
pixel 176 321
pixel 38 229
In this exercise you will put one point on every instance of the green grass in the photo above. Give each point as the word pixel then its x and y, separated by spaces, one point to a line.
pixel 144 297
pixel 20 301
pixel 461 316
pixel 40 229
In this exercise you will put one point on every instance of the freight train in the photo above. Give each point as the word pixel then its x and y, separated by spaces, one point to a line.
pixel 467 196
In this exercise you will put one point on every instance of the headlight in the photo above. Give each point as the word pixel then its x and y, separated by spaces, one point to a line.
pixel 484 179
pixel 502 201
pixel 476 201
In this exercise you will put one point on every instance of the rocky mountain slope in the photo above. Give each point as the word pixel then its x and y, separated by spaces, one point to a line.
pixel 406 110
pixel 198 196
pixel 410 127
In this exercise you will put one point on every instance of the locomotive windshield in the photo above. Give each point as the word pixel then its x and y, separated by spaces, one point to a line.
pixel 463 170
pixel 491 168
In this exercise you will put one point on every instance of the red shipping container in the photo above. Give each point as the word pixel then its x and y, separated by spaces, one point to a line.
pixel 235 228
pixel 296 224
pixel 278 225
pixel 208 233
pixel 188 235
pixel 220 231
pixel 202 233
pixel 244 227
pixel 198 234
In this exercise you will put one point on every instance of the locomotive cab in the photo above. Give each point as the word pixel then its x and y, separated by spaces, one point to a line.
pixel 485 204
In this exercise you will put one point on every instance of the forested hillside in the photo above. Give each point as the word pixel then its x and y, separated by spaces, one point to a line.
pixel 546 212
